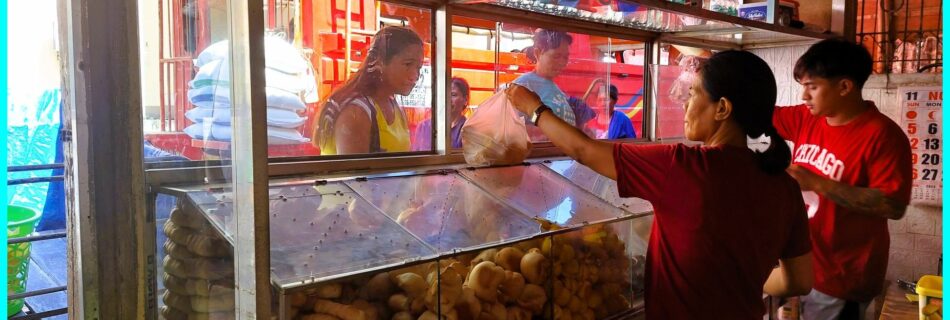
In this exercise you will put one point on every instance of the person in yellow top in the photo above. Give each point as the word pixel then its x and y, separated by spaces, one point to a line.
pixel 362 116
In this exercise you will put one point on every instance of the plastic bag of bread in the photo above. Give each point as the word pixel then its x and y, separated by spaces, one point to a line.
pixel 496 134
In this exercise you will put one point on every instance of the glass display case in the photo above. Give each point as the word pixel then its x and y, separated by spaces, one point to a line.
pixel 606 189
pixel 544 195
pixel 597 184
pixel 446 211
pixel 324 231
pixel 549 240
pixel 520 240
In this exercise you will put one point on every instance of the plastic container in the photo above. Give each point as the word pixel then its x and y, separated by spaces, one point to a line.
pixel 930 290
pixel 21 222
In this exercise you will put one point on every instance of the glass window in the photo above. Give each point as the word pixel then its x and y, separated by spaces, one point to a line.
pixel 377 102
pixel 572 72
pixel 565 69
pixel 187 97
pixel 333 86
pixel 622 115
pixel 473 76
pixel 674 75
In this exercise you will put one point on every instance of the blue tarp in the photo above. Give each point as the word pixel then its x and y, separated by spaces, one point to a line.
pixel 34 122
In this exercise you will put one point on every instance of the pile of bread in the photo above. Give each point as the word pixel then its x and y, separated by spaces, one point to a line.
pixel 577 275
pixel 198 271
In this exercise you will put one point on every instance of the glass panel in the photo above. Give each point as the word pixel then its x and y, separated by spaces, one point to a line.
pixel 405 293
pixel 568 71
pixel 597 184
pixel 621 13
pixel 606 189
pixel 621 115
pixel 197 269
pixel 671 93
pixel 673 78
pixel 629 13
pixel 718 21
pixel 473 69
pixel 311 52
pixel 523 275
pixel 175 82
pixel 597 272
pixel 374 75
pixel 541 193
pixel 446 211
pixel 189 94
pixel 323 234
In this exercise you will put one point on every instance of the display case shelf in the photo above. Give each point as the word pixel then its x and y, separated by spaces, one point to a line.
pixel 543 194
pixel 658 19
pixel 446 211
pixel 319 232
pixel 353 232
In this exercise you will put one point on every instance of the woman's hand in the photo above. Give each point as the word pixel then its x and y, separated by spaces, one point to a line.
pixel 523 99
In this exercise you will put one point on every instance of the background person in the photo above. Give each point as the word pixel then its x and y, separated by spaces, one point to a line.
pixel 362 116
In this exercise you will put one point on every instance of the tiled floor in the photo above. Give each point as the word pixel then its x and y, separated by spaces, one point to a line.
pixel 47 270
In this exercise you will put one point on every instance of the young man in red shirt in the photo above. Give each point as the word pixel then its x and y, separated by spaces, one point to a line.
pixel 854 167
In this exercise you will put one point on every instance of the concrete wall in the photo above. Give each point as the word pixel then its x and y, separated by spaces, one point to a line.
pixel 915 239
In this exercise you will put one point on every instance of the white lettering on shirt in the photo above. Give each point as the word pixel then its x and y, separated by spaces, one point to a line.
pixel 821 159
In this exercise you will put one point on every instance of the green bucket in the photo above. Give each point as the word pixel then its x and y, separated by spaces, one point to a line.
pixel 20 223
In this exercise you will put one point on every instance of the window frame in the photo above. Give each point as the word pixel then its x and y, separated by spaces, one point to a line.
pixel 441 153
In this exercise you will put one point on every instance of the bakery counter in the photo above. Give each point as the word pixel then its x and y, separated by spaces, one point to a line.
pixel 519 242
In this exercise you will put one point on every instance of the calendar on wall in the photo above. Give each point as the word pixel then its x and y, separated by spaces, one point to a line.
pixel 921 120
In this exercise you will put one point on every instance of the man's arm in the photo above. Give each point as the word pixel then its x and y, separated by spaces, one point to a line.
pixel 868 201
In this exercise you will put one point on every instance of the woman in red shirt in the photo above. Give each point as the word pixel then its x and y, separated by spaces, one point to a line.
pixel 725 213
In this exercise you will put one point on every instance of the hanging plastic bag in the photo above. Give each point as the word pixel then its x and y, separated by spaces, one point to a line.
pixel 496 134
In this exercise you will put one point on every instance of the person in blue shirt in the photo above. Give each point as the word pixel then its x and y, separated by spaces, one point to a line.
pixel 583 114
pixel 550 52
pixel 620 126
pixel 422 139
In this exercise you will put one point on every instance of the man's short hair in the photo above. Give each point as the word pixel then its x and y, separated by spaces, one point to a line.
pixel 613 92
pixel 834 59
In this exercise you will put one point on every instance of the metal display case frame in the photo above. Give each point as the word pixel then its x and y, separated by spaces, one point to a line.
pixel 210 201
pixel 253 169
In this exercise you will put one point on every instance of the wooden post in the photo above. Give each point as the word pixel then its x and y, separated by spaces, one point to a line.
pixel 105 187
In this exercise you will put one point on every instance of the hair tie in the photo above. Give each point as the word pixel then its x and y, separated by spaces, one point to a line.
pixel 759 144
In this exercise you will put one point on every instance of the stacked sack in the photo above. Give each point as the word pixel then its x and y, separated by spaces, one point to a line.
pixel 198 270
pixel 288 76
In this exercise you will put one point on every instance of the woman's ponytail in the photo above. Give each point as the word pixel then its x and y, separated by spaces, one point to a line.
pixel 771 151
pixel 748 82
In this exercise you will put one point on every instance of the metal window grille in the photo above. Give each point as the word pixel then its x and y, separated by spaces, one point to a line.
pixel 30 313
pixel 903 36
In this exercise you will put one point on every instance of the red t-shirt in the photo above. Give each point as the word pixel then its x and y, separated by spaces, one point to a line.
pixel 720 226
pixel 871 151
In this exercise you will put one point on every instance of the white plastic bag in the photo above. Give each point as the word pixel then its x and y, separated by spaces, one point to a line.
pixel 222 132
pixel 279 55
pixel 496 134
pixel 219 96
pixel 218 72
pixel 275 117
